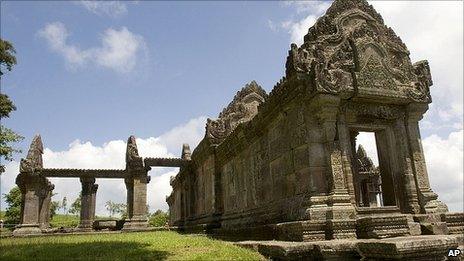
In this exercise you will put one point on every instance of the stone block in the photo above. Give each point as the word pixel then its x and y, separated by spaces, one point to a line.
pixel 408 248
pixel 105 224
pixel 414 229
pixel 454 221
pixel 382 226
pixel 437 228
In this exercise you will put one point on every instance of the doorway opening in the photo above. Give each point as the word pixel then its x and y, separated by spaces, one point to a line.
pixel 372 174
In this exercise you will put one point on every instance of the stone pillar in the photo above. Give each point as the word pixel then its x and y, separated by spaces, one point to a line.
pixel 136 184
pixel 340 210
pixel 32 188
pixel 46 198
pixel 94 201
pixel 428 199
pixel 35 191
pixel 87 203
pixel 136 202
pixel 408 195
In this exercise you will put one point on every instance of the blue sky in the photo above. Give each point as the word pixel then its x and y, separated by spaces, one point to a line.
pixel 90 74
pixel 196 56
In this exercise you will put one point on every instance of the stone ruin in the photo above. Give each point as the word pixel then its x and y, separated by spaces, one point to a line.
pixel 284 165
pixel 37 190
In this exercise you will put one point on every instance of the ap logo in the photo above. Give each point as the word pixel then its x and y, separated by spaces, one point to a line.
pixel 454 252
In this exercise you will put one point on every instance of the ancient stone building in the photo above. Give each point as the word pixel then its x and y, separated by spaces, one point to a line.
pixel 284 165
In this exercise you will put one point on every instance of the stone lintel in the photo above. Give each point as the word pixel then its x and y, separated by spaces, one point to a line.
pixel 84 173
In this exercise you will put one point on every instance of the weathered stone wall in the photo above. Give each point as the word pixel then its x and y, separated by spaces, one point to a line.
pixel 285 163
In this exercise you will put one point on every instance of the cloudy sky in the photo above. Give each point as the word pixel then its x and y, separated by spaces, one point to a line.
pixel 90 74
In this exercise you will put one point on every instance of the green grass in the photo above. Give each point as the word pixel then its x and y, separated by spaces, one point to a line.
pixel 160 245
pixel 60 220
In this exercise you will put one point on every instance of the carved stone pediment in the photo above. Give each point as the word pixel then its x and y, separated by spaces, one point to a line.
pixel 133 160
pixel 243 108
pixel 33 160
pixel 350 50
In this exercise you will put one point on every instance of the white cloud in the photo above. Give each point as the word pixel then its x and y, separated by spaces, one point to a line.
pixel 119 49
pixel 298 30
pixel 57 35
pixel 112 155
pixel 105 8
pixel 444 159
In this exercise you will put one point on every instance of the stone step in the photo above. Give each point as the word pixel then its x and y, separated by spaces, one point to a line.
pixel 429 247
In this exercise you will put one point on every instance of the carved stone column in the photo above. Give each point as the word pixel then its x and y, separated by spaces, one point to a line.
pixel 32 188
pixel 340 210
pixel 408 196
pixel 87 213
pixel 46 198
pixel 136 202
pixel 136 184
pixel 428 199
pixel 94 201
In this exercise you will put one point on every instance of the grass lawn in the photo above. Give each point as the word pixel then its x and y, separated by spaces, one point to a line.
pixel 61 220
pixel 160 245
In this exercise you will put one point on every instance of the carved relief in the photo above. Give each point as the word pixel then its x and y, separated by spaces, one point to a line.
pixel 33 160
pixel 350 48
pixel 243 108
pixel 133 160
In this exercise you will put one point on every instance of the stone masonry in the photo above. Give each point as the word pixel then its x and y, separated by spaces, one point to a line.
pixel 284 165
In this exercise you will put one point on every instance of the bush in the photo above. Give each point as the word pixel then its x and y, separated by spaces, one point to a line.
pixel 159 218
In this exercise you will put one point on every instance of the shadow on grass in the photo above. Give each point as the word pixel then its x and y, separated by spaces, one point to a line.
pixel 108 250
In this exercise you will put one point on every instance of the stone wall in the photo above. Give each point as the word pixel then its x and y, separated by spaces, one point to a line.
pixel 283 165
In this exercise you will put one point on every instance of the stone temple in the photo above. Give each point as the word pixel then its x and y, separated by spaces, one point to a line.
pixel 286 165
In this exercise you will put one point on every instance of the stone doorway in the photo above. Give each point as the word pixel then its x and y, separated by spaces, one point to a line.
pixel 373 173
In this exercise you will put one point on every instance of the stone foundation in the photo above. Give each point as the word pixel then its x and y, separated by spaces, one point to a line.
pixel 400 248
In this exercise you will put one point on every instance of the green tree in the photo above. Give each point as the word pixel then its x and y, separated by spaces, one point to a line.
pixel 7 136
pixel 110 206
pixel 54 206
pixel 13 211
pixel 116 208
pixel 64 205
pixel 75 208
pixel 159 218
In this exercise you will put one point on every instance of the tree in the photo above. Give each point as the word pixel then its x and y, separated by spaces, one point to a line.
pixel 116 208
pixel 64 205
pixel 110 206
pixel 13 211
pixel 54 206
pixel 7 136
pixel 75 208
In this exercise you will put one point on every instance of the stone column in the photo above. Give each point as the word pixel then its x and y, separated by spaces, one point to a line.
pixel 87 204
pixel 136 202
pixel 45 205
pixel 428 199
pixel 94 201
pixel 32 188
pixel 340 210
pixel 408 195
pixel 136 184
